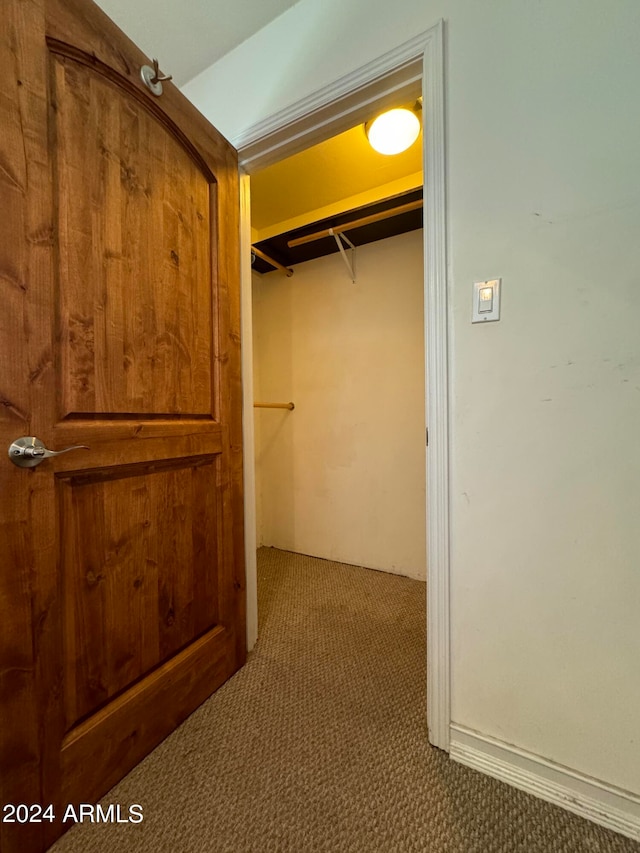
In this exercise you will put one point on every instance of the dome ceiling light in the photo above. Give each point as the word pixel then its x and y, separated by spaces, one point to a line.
pixel 395 130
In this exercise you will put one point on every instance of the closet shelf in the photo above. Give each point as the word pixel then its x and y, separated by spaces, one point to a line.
pixel 356 223
pixel 272 263
pixel 387 218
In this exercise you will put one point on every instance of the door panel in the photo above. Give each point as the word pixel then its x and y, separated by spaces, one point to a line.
pixel 126 608
pixel 122 601
pixel 118 734
pixel 134 222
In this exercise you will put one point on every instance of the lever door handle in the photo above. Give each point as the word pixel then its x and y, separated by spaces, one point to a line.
pixel 28 451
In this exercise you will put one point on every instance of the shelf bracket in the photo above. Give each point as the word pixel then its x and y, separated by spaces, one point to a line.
pixel 338 236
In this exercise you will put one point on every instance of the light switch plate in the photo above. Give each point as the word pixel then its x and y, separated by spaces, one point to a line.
pixel 486 295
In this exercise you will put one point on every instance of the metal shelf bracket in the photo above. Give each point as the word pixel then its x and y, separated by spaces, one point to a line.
pixel 339 237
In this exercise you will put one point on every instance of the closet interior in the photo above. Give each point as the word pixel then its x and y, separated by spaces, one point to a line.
pixel 338 342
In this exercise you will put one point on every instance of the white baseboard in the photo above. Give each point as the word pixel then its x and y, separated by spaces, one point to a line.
pixel 590 798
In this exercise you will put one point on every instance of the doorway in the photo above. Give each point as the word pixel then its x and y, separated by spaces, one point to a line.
pixel 329 111
pixel 338 334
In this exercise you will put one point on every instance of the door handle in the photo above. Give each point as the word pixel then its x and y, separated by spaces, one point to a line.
pixel 28 451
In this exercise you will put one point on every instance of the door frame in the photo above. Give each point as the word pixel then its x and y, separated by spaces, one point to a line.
pixel 338 106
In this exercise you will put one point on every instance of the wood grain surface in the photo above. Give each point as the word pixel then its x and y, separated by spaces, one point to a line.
pixel 122 591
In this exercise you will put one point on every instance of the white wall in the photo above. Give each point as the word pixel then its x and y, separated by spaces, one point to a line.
pixel 343 475
pixel 544 190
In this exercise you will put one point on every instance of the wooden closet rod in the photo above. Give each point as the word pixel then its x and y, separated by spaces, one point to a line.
pixel 290 406
pixel 286 270
pixel 356 223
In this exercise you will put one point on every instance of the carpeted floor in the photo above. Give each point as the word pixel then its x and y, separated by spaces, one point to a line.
pixel 319 743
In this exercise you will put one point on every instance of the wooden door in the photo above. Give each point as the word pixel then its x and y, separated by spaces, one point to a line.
pixel 122 578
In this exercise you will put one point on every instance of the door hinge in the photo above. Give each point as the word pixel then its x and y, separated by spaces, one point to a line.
pixel 427 432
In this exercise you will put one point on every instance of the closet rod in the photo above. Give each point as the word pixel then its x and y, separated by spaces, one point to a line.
pixel 286 270
pixel 290 406
pixel 356 223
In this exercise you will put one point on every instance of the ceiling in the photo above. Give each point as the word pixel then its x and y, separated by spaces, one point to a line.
pixel 342 173
pixel 191 35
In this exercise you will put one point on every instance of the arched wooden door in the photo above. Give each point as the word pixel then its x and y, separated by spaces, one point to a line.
pixel 122 580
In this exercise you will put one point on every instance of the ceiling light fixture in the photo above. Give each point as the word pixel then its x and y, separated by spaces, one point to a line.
pixel 394 131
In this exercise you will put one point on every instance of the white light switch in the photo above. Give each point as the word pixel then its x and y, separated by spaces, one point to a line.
pixel 485 303
pixel 486 300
